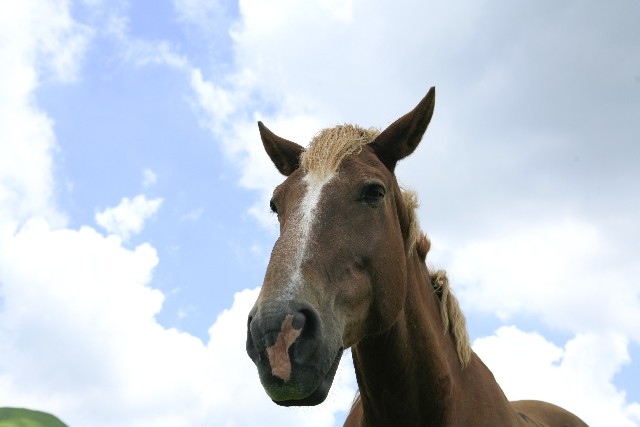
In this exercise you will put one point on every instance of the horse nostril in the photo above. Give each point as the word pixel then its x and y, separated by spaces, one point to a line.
pixel 249 328
pixel 308 321
pixel 299 319
pixel 249 322
pixel 251 348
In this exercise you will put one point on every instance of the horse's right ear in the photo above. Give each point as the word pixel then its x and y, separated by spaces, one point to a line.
pixel 403 136
pixel 284 154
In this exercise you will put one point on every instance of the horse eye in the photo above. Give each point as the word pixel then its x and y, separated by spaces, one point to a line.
pixel 273 207
pixel 372 194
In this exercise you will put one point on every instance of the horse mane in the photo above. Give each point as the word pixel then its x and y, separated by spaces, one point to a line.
pixel 415 237
pixel 326 151
pixel 330 146
pixel 452 316
pixel 450 312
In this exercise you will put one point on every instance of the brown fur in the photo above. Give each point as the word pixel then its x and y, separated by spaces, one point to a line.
pixel 324 155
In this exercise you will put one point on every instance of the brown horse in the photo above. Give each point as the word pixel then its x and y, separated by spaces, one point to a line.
pixel 348 270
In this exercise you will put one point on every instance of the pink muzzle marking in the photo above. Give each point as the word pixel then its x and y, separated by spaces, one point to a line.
pixel 278 353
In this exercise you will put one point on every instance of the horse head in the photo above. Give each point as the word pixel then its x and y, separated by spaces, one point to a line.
pixel 337 270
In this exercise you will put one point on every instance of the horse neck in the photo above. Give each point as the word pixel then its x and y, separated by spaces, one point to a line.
pixel 411 373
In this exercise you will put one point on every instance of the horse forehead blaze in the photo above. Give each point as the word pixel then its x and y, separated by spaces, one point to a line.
pixel 295 240
pixel 319 163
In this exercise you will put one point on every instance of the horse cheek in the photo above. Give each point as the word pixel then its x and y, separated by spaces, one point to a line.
pixel 389 288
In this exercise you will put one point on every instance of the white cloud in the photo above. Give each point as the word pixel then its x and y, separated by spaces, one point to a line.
pixel 137 51
pixel 42 35
pixel 149 178
pixel 89 308
pixel 36 37
pixel 129 216
pixel 68 294
pixel 199 12
pixel 224 113
pixel 215 101
pixel 192 215
pixel 578 376
pixel 544 269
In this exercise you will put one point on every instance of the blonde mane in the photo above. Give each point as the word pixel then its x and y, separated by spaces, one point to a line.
pixel 450 312
pixel 329 147
pixel 452 316
pixel 323 157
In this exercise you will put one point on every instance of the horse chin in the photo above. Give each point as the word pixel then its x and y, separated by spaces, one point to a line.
pixel 320 394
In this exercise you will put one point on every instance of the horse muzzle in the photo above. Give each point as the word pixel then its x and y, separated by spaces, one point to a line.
pixel 294 353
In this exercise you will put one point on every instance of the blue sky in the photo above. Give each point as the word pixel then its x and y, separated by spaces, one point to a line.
pixel 134 219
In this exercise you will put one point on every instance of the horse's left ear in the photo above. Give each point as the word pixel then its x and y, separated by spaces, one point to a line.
pixel 284 154
pixel 403 136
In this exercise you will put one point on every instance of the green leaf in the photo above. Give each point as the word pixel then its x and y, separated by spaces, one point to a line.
pixel 19 417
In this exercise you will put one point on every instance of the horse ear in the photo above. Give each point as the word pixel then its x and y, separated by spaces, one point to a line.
pixel 284 154
pixel 403 136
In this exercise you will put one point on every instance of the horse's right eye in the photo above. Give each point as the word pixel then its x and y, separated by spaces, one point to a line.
pixel 372 194
pixel 273 207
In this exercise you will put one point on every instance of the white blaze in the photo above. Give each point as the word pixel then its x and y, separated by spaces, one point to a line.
pixel 304 219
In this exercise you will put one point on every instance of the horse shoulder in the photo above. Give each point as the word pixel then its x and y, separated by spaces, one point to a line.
pixel 538 413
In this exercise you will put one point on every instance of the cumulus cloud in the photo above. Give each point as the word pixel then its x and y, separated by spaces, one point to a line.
pixel 542 270
pixel 43 35
pixel 231 116
pixel 129 216
pixel 577 376
pixel 90 308
pixel 34 36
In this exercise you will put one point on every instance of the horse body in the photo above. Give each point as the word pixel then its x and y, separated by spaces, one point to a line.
pixel 348 270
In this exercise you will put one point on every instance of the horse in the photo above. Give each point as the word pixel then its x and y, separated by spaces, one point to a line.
pixel 349 270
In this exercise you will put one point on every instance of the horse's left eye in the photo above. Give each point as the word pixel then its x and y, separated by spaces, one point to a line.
pixel 273 207
pixel 372 194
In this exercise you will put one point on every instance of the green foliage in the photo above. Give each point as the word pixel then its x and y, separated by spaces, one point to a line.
pixel 19 417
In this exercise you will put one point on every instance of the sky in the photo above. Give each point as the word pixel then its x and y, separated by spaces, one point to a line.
pixel 134 216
